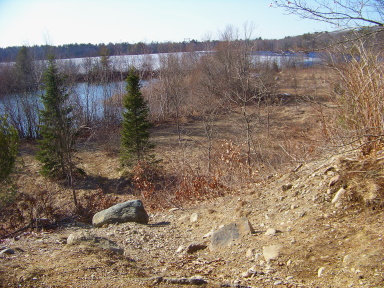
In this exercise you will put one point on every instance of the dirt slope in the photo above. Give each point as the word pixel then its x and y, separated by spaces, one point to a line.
pixel 321 244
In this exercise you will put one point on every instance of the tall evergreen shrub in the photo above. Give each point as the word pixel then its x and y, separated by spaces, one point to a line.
pixel 135 133
pixel 57 131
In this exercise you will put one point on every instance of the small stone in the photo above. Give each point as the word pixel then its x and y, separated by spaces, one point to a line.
pixel 195 247
pixel 286 187
pixel 194 217
pixel 271 252
pixel 334 180
pixel 249 253
pixel 302 214
pixel 270 232
pixel 269 270
pixel 339 195
pixel 180 249
pixel 278 282
pixel 320 271
pixel 7 251
pixel 246 274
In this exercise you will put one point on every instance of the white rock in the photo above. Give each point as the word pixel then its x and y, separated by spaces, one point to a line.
pixel 246 274
pixel 339 195
pixel 194 217
pixel 320 271
pixel 249 253
pixel 270 232
pixel 271 252
pixel 180 249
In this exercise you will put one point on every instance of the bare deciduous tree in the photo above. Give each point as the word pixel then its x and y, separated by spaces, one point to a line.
pixel 341 13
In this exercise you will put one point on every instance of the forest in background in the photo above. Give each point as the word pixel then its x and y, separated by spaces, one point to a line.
pixel 302 43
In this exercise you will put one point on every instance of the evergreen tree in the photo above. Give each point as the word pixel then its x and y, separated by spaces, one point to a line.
pixel 9 140
pixel 24 71
pixel 56 145
pixel 135 133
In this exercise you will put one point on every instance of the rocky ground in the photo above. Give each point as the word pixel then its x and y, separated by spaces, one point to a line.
pixel 321 225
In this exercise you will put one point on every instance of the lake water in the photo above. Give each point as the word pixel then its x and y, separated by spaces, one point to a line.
pixel 90 103
pixel 123 62
pixel 95 102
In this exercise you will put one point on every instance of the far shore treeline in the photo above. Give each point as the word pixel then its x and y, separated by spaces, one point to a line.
pixel 305 42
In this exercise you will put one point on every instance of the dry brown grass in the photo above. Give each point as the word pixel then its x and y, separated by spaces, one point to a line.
pixel 284 134
pixel 358 89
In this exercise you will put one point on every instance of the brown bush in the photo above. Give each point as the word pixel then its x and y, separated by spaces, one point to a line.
pixel 359 91
pixel 29 211
pixel 92 203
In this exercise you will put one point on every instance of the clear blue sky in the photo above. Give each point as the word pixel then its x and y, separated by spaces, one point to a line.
pixel 57 22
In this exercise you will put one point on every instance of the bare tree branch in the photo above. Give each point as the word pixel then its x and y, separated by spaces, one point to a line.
pixel 341 13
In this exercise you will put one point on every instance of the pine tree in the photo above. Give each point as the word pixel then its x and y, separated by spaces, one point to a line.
pixel 9 140
pixel 56 145
pixel 24 71
pixel 135 133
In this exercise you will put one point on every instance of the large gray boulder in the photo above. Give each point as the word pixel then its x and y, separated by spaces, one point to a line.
pixel 130 211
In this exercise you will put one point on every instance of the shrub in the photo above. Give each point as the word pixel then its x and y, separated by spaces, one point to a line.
pixel 92 203
pixel 9 141
pixel 360 94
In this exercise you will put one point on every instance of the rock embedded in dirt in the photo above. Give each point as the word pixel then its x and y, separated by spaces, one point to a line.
pixel 194 217
pixel 250 253
pixel 286 187
pixel 180 249
pixel 339 195
pixel 129 211
pixel 7 251
pixel 230 233
pixel 320 271
pixel 334 180
pixel 271 252
pixel 195 247
pixel 87 239
pixel 270 232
